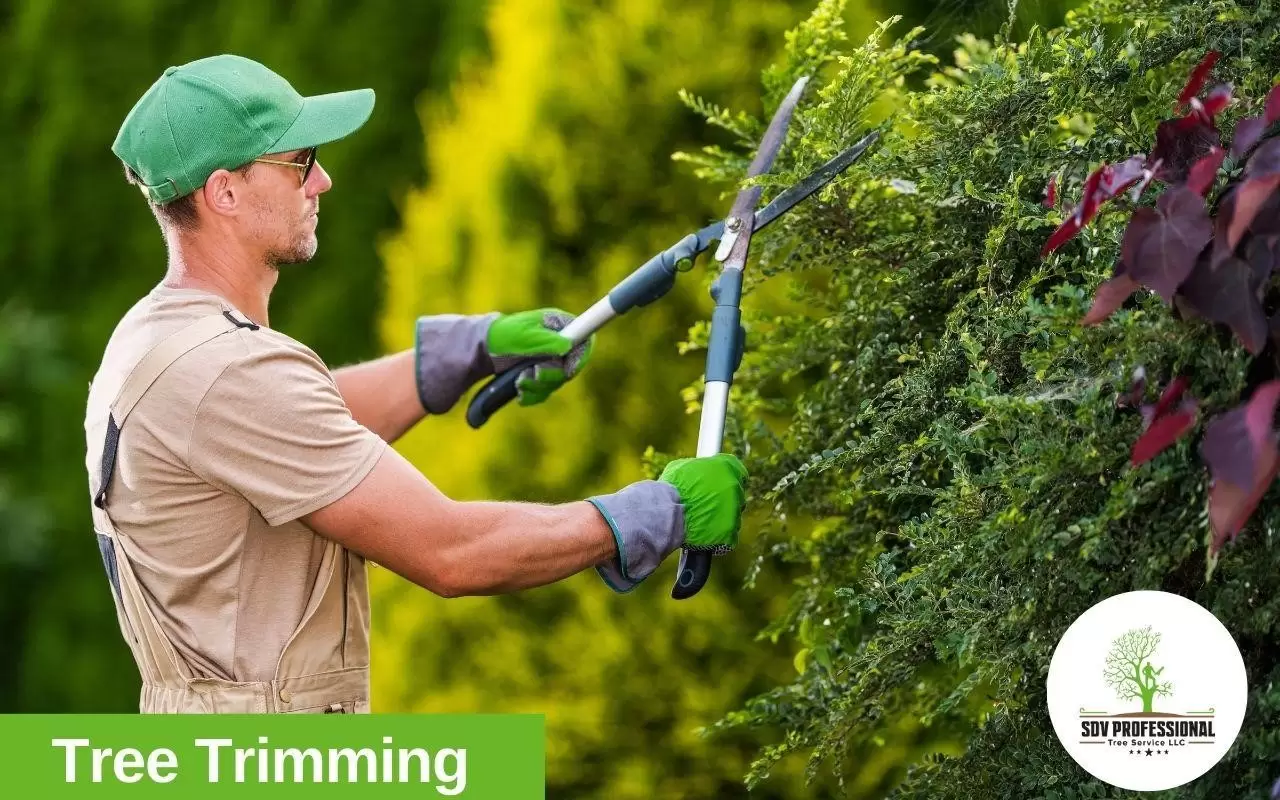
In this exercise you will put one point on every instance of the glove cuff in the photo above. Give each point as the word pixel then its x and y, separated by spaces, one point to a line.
pixel 647 520
pixel 449 357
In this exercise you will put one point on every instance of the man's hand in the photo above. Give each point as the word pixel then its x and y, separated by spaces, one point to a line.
pixel 532 335
pixel 695 503
pixel 713 491
pixel 450 353
pixel 453 351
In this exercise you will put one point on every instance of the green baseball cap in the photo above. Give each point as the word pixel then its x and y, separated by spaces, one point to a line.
pixel 222 112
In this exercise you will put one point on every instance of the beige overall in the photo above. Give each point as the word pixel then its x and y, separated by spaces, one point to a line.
pixel 325 665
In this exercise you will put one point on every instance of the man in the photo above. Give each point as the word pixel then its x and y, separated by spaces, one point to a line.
pixel 238 486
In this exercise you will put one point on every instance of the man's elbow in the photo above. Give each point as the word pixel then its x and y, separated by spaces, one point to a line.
pixel 449 588
pixel 448 576
pixel 461 564
pixel 441 581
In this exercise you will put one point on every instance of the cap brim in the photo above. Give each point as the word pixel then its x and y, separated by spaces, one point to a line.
pixel 326 118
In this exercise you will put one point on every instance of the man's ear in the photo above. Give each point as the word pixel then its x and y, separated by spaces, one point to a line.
pixel 222 193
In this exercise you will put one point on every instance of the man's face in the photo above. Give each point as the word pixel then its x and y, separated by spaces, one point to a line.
pixel 285 211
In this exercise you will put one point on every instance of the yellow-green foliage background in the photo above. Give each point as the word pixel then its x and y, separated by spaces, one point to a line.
pixel 552 178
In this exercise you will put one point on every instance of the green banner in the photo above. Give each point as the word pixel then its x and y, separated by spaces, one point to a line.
pixel 385 755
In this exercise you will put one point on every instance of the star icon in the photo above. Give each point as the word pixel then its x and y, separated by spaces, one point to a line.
pixel 1148 752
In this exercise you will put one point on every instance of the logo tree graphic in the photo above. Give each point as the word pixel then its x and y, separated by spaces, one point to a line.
pixel 1130 671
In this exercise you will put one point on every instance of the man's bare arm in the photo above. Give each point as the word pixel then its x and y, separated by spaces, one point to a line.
pixel 398 519
pixel 390 395
pixel 382 394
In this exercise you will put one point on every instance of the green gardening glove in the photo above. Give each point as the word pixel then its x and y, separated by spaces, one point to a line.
pixel 713 492
pixel 696 503
pixel 513 338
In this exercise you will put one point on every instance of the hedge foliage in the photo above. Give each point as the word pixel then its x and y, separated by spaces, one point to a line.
pixel 934 435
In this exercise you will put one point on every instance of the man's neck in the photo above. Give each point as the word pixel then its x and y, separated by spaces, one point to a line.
pixel 231 276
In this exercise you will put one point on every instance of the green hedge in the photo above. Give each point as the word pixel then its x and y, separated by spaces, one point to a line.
pixel 936 438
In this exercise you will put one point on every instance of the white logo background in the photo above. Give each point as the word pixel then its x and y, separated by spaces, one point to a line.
pixel 1199 657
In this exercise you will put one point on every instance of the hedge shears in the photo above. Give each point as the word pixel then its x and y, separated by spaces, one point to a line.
pixel 657 276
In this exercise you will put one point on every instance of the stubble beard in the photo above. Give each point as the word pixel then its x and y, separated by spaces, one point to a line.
pixel 300 251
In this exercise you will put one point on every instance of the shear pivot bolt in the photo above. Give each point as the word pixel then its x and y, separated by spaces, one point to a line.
pixel 733 224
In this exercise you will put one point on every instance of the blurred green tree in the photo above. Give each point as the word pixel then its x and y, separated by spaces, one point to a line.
pixel 31 362
pixel 78 246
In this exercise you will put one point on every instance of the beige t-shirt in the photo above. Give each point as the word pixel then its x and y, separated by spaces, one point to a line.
pixel 234 442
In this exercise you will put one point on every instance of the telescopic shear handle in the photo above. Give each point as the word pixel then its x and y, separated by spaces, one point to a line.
pixel 695 568
pixel 648 283
pixel 493 395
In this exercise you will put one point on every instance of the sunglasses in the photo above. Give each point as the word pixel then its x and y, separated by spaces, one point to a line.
pixel 305 165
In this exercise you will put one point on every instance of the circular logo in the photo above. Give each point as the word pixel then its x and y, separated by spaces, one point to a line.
pixel 1147 690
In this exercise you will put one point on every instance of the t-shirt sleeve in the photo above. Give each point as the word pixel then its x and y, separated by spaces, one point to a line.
pixel 274 429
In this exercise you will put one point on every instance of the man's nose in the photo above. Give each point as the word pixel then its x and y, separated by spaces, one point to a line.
pixel 318 181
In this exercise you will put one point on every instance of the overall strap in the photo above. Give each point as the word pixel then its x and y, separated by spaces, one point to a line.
pixel 152 365
pixel 155 655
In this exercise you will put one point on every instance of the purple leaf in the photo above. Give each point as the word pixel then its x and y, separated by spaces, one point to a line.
pixel 1180 143
pixel 1090 196
pixel 1249 198
pixel 1203 172
pixel 1164 431
pixel 1198 77
pixel 1171 395
pixel 1185 309
pixel 1078 219
pixel 1103 183
pixel 1161 245
pixel 1267 221
pixel 1271 110
pixel 1135 233
pixel 1260 253
pixel 1248 131
pixel 1137 388
pixel 1051 192
pixel 1260 415
pixel 1110 296
pixel 1065 232
pixel 1115 178
pixel 1165 422
pixel 1149 173
pixel 1265 160
pixel 1247 201
pixel 1240 450
pixel 1230 506
pixel 1228 450
pixel 1216 102
pixel 1226 294
pixel 1221 222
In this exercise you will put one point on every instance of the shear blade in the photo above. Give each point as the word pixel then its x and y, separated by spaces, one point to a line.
pixel 726 244
pixel 740 223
